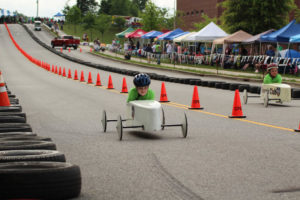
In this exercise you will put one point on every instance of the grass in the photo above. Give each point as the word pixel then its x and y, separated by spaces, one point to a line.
pixel 107 36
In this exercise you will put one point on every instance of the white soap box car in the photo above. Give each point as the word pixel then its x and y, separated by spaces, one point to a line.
pixel 145 114
pixel 278 93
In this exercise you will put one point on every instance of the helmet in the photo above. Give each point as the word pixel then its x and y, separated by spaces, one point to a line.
pixel 141 80
pixel 271 66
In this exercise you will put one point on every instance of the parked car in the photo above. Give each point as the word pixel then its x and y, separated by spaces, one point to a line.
pixel 37 25
pixel 65 41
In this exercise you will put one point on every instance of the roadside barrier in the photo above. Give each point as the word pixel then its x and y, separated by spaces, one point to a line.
pixel 237 111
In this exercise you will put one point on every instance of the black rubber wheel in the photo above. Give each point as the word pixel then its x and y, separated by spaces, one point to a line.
pixel 24 137
pixel 204 83
pixel 225 86
pixel 198 82
pixel 31 155
pixel 12 119
pixel 295 93
pixel 218 85
pixel 253 89
pixel 10 134
pixel 13 114
pixel 234 86
pixel 39 180
pixel 14 100
pixel 244 87
pixel 26 144
pixel 15 127
pixel 10 109
pixel 211 84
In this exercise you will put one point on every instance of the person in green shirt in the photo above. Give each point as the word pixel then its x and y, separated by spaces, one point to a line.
pixel 141 90
pixel 272 76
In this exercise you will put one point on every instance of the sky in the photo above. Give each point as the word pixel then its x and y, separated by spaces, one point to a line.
pixel 48 8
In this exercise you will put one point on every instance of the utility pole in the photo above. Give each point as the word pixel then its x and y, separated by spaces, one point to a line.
pixel 175 14
pixel 37 8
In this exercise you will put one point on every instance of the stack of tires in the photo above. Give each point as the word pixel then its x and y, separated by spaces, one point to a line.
pixel 30 165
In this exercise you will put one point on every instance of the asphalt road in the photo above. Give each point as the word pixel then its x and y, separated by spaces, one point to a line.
pixel 221 158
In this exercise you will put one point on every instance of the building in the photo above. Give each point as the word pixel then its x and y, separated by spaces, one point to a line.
pixel 191 10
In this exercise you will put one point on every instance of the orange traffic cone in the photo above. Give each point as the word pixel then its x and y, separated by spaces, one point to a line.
pixel 52 69
pixel 4 100
pixel 195 101
pixel 82 76
pixel 237 107
pixel 61 50
pixel 124 86
pixel 91 50
pixel 69 74
pixel 69 49
pixel 298 130
pixel 59 71
pixel 98 83
pixel 64 72
pixel 110 83
pixel 163 94
pixel 80 50
pixel 90 81
pixel 55 69
pixel 75 75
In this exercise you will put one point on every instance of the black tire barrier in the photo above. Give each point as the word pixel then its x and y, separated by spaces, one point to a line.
pixel 218 85
pixel 192 82
pixel 10 134
pixel 11 96
pixel 234 86
pixel 204 83
pixel 12 119
pixel 15 127
pixel 26 144
pixel 14 101
pixel 13 114
pixel 225 86
pixel 24 137
pixel 199 82
pixel 31 155
pixel 39 180
pixel 10 109
pixel 211 84
pixel 295 93
pixel 254 89
pixel 243 87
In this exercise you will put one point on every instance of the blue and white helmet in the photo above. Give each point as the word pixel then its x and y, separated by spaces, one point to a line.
pixel 141 80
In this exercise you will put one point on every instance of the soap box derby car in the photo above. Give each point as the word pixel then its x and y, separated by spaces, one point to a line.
pixel 145 114
pixel 278 93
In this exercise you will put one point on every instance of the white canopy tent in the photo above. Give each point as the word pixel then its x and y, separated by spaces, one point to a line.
pixel 209 33
pixel 181 38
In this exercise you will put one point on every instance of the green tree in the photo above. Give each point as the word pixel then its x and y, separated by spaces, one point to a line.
pixel 103 23
pixel 105 7
pixel 119 23
pixel 120 7
pixel 74 16
pixel 87 6
pixel 255 16
pixel 89 23
pixel 206 20
pixel 151 17
pixel 141 4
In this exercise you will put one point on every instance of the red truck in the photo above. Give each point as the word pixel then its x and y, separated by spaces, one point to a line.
pixel 65 41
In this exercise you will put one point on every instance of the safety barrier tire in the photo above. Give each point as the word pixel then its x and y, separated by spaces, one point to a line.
pixel 24 137
pixel 295 93
pixel 12 119
pixel 225 86
pixel 234 86
pixel 211 84
pixel 253 89
pixel 31 155
pixel 243 87
pixel 14 100
pixel 10 134
pixel 26 144
pixel 10 109
pixel 204 83
pixel 13 114
pixel 15 127
pixel 39 180
pixel 218 85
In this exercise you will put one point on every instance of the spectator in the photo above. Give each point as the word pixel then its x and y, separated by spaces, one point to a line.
pixel 149 51
pixel 270 51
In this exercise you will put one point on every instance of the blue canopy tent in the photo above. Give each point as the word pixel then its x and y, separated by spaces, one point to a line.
pixel 272 37
pixel 295 38
pixel 288 33
pixel 172 33
pixel 151 35
pixel 176 36
pixel 58 15
pixel 289 53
